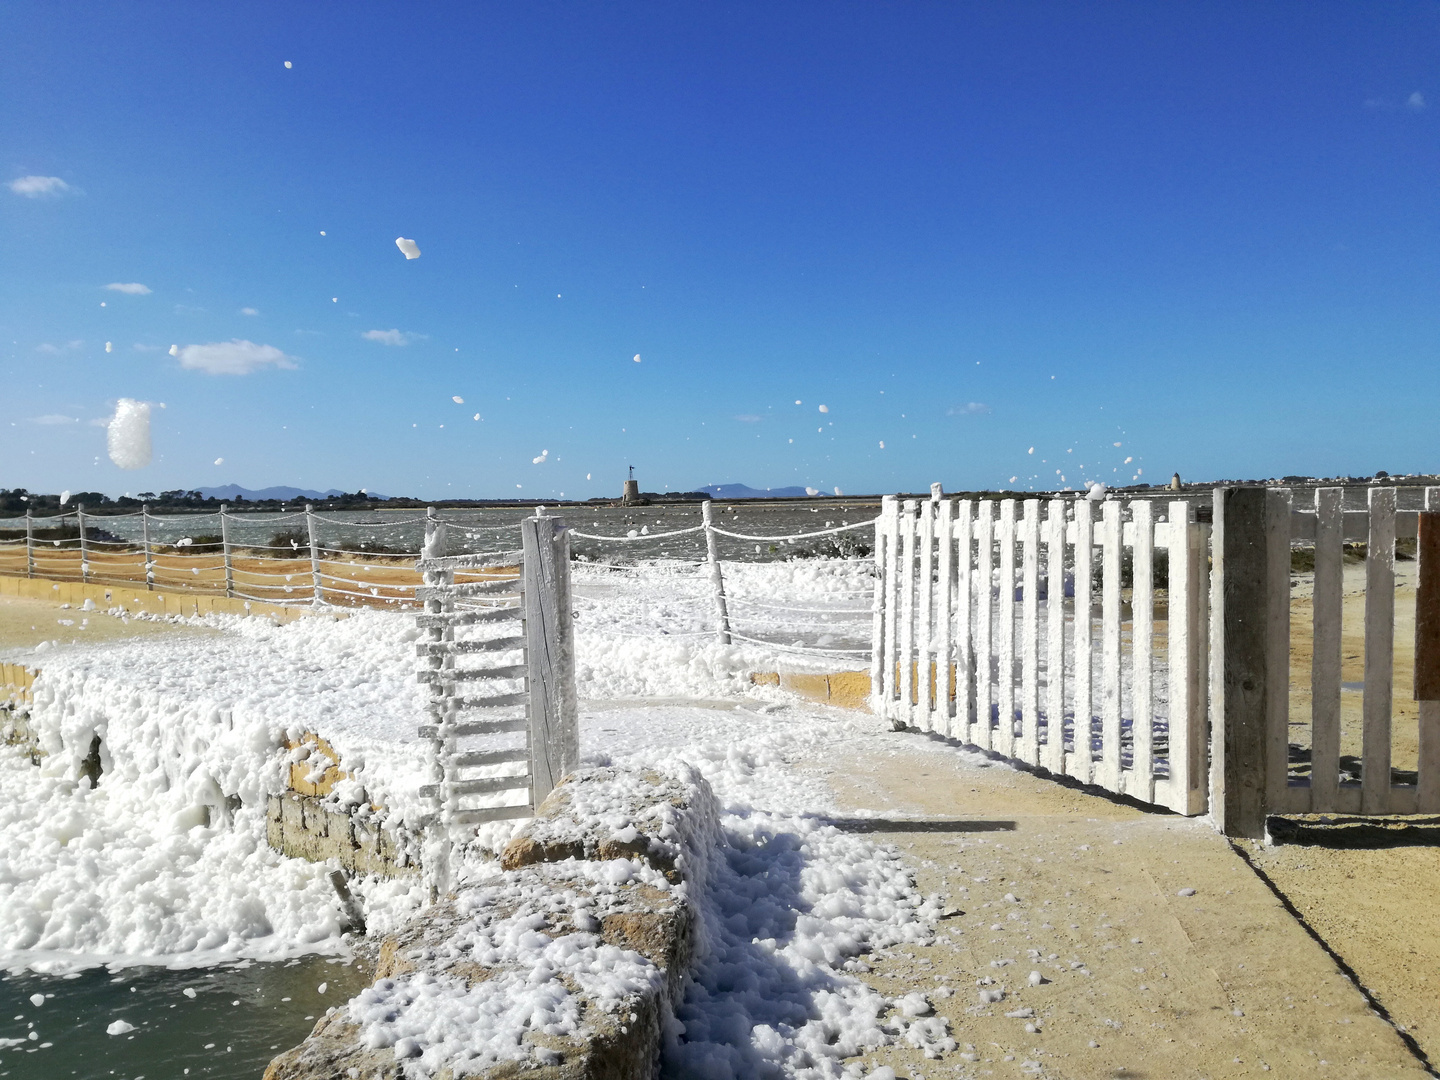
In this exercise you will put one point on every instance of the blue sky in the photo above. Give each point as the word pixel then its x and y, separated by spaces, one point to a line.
pixel 1207 232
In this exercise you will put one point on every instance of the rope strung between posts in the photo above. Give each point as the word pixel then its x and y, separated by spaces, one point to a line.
pixel 799 536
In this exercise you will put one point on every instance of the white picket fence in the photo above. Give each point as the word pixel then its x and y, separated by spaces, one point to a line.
pixel 986 631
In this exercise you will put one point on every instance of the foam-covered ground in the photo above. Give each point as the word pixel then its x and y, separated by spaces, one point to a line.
pixel 161 863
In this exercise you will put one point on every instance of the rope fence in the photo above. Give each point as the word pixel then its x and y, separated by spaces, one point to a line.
pixel 299 566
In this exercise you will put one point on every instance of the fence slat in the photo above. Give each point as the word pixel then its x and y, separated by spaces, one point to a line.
pixel 891 512
pixel 1053 757
pixel 925 603
pixel 982 733
pixel 964 622
pixel 945 614
pixel 1083 767
pixel 1277 644
pixel 1328 601
pixel 908 529
pixel 1112 531
pixel 1379 652
pixel 30 544
pixel 1030 633
pixel 878 608
pixel 1142 642
pixel 1005 652
pixel 1180 648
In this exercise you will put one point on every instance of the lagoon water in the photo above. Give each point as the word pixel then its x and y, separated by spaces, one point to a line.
pixel 241 1016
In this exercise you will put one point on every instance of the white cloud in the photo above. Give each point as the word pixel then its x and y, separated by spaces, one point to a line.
pixel 1416 101
pixel 387 337
pixel 235 357
pixel 55 350
pixel 37 187
pixel 748 418
pixel 970 408
pixel 53 420
pixel 249 311
pixel 129 288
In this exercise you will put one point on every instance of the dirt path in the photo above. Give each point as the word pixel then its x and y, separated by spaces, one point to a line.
pixel 25 623
pixel 1136 980
pixel 1369 889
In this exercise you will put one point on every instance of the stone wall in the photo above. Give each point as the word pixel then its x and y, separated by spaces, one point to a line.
pixel 670 825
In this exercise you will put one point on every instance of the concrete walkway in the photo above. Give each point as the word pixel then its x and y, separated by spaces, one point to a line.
pixel 1138 980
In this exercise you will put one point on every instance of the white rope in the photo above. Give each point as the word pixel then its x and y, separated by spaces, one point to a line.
pixel 787 607
pixel 806 649
pixel 638 536
pixel 368 524
pixel 800 536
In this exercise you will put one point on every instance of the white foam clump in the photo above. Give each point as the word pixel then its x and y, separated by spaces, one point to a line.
pixel 37 1000
pixel 637 358
pixel 157 864
pixel 128 434
pixel 1097 490
pixel 457 399
pixel 109 347
pixel 543 457
pixel 408 248
pixel 119 1027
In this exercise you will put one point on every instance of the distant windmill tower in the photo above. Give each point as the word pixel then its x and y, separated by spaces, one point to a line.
pixel 1175 482
pixel 632 490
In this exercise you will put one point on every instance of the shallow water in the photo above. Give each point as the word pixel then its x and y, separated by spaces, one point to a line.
pixel 241 1016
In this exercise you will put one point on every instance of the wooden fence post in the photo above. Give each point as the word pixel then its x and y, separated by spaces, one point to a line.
pixel 1240 589
pixel 879 606
pixel 318 588
pixel 1427 655
pixel 717 581
pixel 554 741
pixel 29 543
pixel 145 541
pixel 225 547
pixel 84 547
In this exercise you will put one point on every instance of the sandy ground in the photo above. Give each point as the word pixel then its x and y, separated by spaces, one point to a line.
pixel 1368 888
pixel 1139 981
pixel 25 623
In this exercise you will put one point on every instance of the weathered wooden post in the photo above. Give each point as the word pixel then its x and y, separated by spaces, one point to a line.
pixel 225 547
pixel 549 651
pixel 717 581
pixel 1427 655
pixel 145 541
pixel 29 543
pixel 1246 519
pixel 84 547
pixel 318 587
pixel 440 706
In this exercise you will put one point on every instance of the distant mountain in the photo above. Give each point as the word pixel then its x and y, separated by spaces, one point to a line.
pixel 281 494
pixel 741 491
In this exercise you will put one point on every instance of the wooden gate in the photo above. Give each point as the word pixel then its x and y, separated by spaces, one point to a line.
pixel 1276 752
pixel 497 660
pixel 1044 632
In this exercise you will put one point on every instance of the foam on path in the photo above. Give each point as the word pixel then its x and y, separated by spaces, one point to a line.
pixel 1135 979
